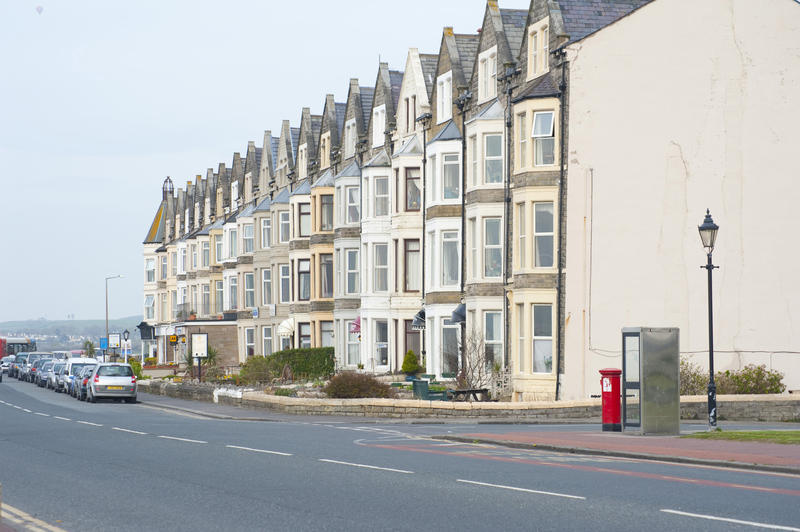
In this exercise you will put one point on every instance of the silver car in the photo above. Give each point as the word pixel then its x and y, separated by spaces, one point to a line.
pixel 112 379
pixel 51 380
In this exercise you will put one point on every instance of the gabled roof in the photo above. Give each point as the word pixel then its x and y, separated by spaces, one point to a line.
pixel 493 111
pixel 282 197
pixel 276 142
pixel 351 170
pixel 381 159
pixel 155 235
pixel 294 134
pixel 514 28
pixel 583 17
pixel 428 62
pixel 543 87
pixel 467 46
pixel 412 146
pixel 341 110
pixel 367 96
pixel 448 132
pixel 303 189
pixel 325 180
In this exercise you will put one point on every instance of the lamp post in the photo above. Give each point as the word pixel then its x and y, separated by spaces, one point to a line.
pixel 459 314
pixel 708 235
pixel 418 323
pixel 107 278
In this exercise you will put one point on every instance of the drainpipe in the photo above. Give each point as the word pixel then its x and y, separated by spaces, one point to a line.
pixel 507 77
pixel 562 87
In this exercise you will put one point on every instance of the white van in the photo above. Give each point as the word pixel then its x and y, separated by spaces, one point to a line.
pixel 72 367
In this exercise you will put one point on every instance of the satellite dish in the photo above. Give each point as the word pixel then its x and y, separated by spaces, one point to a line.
pixel 39 9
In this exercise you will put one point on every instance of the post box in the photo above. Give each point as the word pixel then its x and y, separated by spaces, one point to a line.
pixel 610 384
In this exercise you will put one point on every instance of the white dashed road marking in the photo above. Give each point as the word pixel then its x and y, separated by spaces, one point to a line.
pixel 513 488
pixel 128 430
pixel 729 520
pixel 258 450
pixel 62 418
pixel 366 466
pixel 182 439
pixel 89 423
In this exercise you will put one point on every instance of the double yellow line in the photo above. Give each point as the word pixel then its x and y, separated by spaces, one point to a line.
pixel 26 521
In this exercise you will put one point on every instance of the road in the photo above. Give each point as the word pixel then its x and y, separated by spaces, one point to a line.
pixel 113 466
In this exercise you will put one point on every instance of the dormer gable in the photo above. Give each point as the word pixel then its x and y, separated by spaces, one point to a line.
pixel 333 115
pixel 413 97
pixel 454 68
pixel 237 181
pixel 307 143
pixel 382 118
pixel 252 165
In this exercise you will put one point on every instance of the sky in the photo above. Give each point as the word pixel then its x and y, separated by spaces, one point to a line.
pixel 100 101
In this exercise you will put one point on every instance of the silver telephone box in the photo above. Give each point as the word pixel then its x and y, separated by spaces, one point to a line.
pixel 650 380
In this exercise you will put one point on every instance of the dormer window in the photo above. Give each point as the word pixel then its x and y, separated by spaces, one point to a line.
pixel 444 97
pixel 349 138
pixel 411 112
pixel 538 48
pixel 378 125
pixel 487 74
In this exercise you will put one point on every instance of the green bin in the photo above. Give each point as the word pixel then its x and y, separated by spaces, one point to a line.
pixel 420 389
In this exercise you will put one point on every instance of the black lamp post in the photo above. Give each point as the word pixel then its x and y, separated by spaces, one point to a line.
pixel 708 235
pixel 418 323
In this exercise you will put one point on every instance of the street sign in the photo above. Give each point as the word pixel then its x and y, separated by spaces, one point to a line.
pixel 173 339
pixel 199 345
pixel 113 341
pixel 103 343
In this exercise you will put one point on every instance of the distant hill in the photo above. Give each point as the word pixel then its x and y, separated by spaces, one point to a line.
pixel 62 334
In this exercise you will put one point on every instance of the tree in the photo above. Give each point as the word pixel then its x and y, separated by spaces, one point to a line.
pixel 410 364
pixel 88 347
pixel 483 368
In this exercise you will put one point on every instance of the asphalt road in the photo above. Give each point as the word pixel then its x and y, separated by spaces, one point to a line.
pixel 114 466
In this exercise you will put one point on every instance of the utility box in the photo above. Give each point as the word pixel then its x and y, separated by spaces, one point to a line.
pixel 651 401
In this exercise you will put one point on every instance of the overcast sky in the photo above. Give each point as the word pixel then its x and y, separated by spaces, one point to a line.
pixel 100 100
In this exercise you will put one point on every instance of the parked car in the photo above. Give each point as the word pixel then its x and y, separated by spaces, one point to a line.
pixel 73 366
pixel 81 381
pixel 52 375
pixel 40 378
pixel 36 369
pixel 19 361
pixel 62 379
pixel 25 369
pixel 5 364
pixel 113 380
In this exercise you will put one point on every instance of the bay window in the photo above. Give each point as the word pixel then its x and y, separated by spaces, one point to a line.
pixel 353 208
pixel 205 254
pixel 163 267
pixel 493 337
pixel 326 333
pixel 521 240
pixel 326 275
pixel 247 238
pixel 233 244
pixel 522 139
pixel 284 226
pixel 250 341
pixel 381 196
pixel 381 267
pixel 303 279
pixel 413 195
pixel 543 138
pixel 218 248
pixel 286 294
pixel 150 270
pixel 543 234
pixel 326 218
pixel 382 342
pixel 352 284
pixel 249 290
pixel 353 354
pixel 450 340
pixel 194 256
pixel 412 266
pixel 205 303
pixel 451 168
pixel 492 248
pixel 266 232
pixel 304 219
pixel 493 159
pixel 218 297
pixel 451 266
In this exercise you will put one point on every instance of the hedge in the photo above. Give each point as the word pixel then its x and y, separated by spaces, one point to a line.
pixel 310 363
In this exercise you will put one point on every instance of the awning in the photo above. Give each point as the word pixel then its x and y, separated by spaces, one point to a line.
pixel 286 328
pixel 355 327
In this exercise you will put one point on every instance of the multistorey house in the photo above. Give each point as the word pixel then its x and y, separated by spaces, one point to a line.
pixel 378 330
pixel 409 137
pixel 442 210
pixel 483 186
pixel 487 187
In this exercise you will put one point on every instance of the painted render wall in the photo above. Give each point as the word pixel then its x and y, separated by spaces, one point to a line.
pixel 681 106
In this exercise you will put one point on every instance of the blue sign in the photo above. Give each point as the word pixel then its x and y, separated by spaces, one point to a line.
pixel 103 343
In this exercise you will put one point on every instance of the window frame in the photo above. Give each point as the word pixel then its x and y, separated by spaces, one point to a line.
pixel 379 268
pixel 266 232
pixel 233 293
pixel 497 342
pixel 541 338
pixel 285 276
pixel 303 279
pixel 541 138
pixel 537 235
pixel 352 207
pixel 450 238
pixel 249 341
pixel 284 224
pixel 304 219
pixel 249 290
pixel 149 309
pixel 451 163
pixel 150 270
pixel 325 259
pixel 492 158
pixel 248 238
pixel 353 273
pixel 326 212
pixel 266 286
pixel 266 340
pixel 381 199
pixel 487 248
pixel 416 179
pixel 521 230
pixel 406 252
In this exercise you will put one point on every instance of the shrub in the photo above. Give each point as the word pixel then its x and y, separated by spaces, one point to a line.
pixel 310 363
pixel 351 385
pixel 751 379
pixel 284 392
pixel 136 366
pixel 259 370
pixel 410 364
pixel 150 361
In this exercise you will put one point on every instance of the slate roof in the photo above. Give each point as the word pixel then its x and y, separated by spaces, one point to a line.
pixel 203 231
pixel 467 46
pixel 341 109
pixel 325 180
pixel 367 97
pixel 264 205
pixel 396 81
pixel 541 87
pixel 583 17
pixel 294 136
pixel 448 132
pixel 316 126
pixel 428 62
pixel 282 197
pixel 248 211
pixel 514 27
pixel 259 151
pixel 351 170
pixel 303 189
pixel 492 111
pixel 275 143
pixel 156 232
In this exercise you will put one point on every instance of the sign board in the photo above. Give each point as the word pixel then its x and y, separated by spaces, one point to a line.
pixel 183 338
pixel 113 341
pixel 199 345
pixel 103 343
pixel 173 339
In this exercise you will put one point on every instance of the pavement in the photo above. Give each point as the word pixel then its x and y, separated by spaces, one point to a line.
pixel 584 438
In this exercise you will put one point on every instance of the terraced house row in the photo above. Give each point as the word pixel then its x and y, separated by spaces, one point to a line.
pixel 518 196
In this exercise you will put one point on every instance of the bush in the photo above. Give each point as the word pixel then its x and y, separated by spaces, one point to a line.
pixel 151 361
pixel 410 364
pixel 313 363
pixel 259 370
pixel 284 392
pixel 137 367
pixel 351 385
pixel 751 379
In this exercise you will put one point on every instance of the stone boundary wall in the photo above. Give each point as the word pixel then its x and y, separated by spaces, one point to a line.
pixel 731 407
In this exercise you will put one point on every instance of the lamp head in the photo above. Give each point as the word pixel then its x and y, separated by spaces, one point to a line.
pixel 708 232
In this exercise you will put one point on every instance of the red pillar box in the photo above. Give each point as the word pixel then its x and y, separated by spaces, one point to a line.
pixel 610 384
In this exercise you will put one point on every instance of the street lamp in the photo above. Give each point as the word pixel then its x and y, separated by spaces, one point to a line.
pixel 708 235
pixel 107 278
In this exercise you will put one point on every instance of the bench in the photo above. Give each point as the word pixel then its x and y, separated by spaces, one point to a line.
pixel 464 395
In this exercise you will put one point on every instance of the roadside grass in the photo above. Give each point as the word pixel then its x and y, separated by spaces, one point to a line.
pixel 789 437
